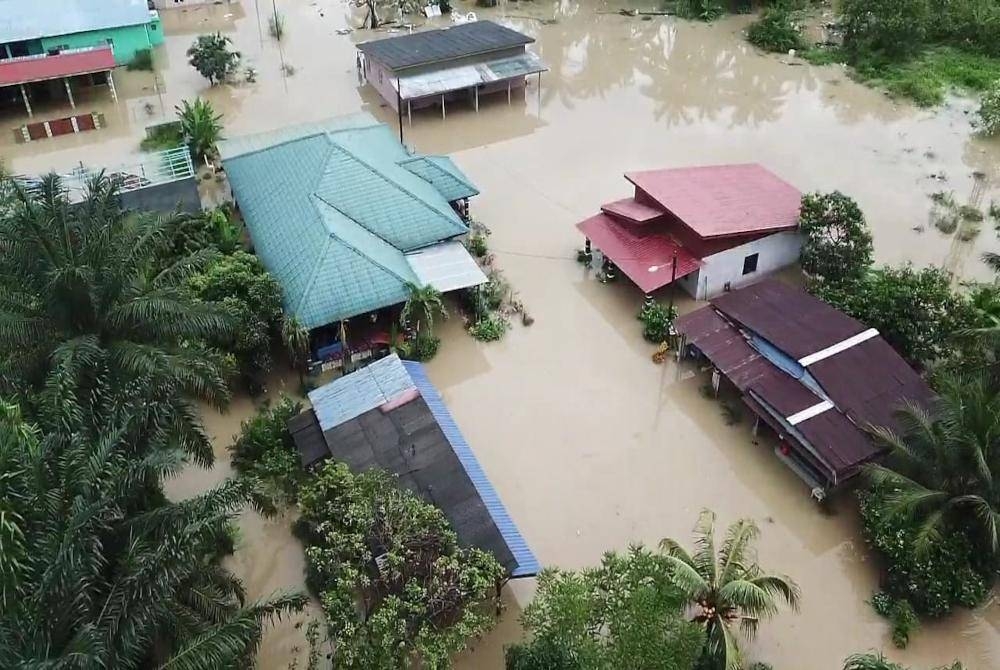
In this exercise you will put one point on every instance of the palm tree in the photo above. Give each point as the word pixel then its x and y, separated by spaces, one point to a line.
pixel 423 303
pixel 943 469
pixel 870 661
pixel 90 301
pixel 201 126
pixel 103 571
pixel 728 588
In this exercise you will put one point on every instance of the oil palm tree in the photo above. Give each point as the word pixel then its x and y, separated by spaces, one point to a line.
pixel 102 572
pixel 727 588
pixel 943 469
pixel 90 299
pixel 423 303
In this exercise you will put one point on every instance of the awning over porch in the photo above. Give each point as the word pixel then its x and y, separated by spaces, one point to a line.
pixel 645 256
pixel 460 77
pixel 447 267
pixel 68 63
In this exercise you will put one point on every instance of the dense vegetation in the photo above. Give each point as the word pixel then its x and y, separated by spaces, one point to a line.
pixel 103 354
pixel 395 586
pixel 920 48
pixel 625 613
pixel 210 55
pixel 264 451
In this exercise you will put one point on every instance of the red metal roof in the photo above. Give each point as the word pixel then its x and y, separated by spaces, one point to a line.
pixel 24 70
pixel 645 256
pixel 723 200
pixel 632 210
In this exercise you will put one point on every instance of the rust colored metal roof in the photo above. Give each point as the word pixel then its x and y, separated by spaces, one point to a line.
pixel 866 382
pixel 724 200
pixel 788 317
pixel 632 210
pixel 645 256
pixel 66 64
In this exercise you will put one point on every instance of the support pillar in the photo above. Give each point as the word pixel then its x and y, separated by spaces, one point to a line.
pixel 442 106
pixel 539 93
pixel 588 250
pixel 476 89
pixel 69 92
pixel 111 85
pixel 24 96
pixel 508 91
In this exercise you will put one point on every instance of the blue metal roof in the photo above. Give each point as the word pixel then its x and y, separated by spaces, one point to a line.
pixel 32 20
pixel 527 564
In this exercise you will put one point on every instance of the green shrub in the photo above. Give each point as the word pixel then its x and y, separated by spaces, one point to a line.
pixel 422 348
pixel 213 228
pixel 931 582
pixel 490 328
pixel 477 245
pixel 657 321
pixel 396 588
pixel 775 31
pixel 904 622
pixel 702 10
pixel 889 29
pixel 264 449
pixel 143 60
pixel 989 110
pixel 163 136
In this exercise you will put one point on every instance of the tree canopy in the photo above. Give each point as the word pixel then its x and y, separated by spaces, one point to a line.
pixel 210 55
pixel 838 244
pixel 625 613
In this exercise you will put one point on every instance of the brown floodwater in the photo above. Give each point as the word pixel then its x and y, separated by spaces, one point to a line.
pixel 590 445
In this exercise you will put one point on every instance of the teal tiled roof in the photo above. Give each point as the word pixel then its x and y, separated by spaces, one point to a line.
pixel 331 212
pixel 442 174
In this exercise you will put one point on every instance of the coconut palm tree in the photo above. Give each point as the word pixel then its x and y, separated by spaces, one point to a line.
pixel 90 300
pixel 727 588
pixel 99 570
pixel 423 303
pixel 943 469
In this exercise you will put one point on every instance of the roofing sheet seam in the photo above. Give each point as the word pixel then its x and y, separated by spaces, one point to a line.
pixel 527 564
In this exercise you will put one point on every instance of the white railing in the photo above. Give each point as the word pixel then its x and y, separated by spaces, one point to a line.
pixel 62 52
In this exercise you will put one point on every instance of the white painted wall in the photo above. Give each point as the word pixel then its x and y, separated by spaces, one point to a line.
pixel 776 251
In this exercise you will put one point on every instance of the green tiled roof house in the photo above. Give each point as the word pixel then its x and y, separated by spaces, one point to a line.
pixel 33 28
pixel 344 217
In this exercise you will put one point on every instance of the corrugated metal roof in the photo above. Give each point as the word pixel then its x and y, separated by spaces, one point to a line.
pixel 527 564
pixel 34 19
pixel 352 395
pixel 646 256
pixel 441 173
pixel 442 44
pixel 866 383
pixel 723 200
pixel 66 64
pixel 447 79
pixel 331 212
pixel 632 210
pixel 446 266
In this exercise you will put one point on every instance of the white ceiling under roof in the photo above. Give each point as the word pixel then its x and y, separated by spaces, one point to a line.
pixel 447 266
pixel 455 78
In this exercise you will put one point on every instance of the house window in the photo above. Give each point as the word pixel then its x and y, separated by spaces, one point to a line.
pixel 750 263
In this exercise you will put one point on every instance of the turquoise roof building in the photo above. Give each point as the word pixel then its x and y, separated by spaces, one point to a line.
pixel 33 27
pixel 345 218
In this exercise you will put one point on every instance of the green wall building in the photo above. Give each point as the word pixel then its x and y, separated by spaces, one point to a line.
pixel 36 27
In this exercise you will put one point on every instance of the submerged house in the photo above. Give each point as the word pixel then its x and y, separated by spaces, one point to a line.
pixel 710 229
pixel 345 218
pixel 47 49
pixel 461 62
pixel 389 415
pixel 811 374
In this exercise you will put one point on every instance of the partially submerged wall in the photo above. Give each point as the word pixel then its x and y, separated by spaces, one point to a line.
pixel 181 194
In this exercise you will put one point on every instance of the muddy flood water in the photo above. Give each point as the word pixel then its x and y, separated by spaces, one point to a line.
pixel 589 444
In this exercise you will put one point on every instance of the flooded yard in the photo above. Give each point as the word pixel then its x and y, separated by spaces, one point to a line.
pixel 589 444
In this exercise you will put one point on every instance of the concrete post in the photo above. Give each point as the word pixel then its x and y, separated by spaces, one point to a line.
pixel 24 96
pixel 442 105
pixel 409 112
pixel 476 89
pixel 111 85
pixel 508 91
pixel 69 92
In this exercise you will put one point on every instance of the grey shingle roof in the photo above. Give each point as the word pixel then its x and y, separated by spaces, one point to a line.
pixel 444 44
pixel 33 19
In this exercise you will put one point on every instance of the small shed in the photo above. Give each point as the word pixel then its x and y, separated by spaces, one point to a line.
pixel 389 415
pixel 708 228
pixel 461 62
pixel 816 377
